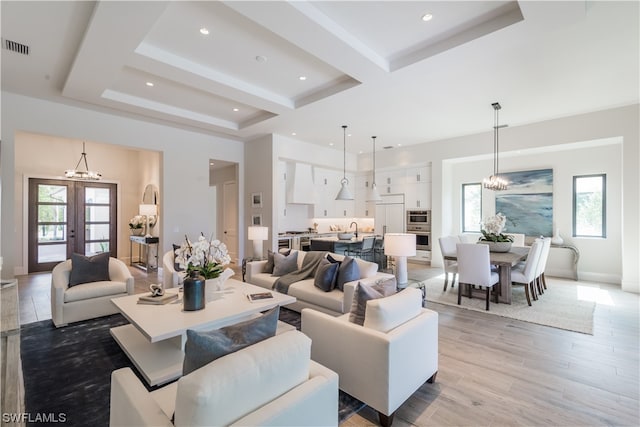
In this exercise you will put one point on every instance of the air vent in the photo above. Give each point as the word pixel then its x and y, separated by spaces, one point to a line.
pixel 16 47
pixel 388 147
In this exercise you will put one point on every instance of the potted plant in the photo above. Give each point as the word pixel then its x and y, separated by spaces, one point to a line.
pixel 492 228
pixel 136 225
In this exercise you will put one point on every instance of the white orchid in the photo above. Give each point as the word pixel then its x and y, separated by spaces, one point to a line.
pixel 207 257
pixel 492 228
pixel 136 222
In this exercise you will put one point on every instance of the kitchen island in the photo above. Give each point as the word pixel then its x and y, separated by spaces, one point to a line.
pixel 335 245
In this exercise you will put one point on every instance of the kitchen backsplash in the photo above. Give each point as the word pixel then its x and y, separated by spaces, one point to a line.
pixel 325 224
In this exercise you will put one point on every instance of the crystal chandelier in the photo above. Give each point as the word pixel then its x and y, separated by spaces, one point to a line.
pixel 83 175
pixel 495 182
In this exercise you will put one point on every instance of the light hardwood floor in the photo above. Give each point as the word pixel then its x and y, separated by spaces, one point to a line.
pixel 495 371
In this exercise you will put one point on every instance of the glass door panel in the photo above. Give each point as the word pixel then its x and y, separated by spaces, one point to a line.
pixel 69 216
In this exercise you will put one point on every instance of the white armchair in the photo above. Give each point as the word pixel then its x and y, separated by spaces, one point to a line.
pixel 271 383
pixel 88 300
pixel 382 369
pixel 170 277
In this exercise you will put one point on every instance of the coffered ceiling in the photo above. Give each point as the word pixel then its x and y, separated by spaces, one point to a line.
pixel 307 67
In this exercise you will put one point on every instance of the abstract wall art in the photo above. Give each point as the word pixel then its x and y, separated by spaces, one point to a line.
pixel 528 203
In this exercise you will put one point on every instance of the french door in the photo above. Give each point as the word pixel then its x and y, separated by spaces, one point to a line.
pixel 70 216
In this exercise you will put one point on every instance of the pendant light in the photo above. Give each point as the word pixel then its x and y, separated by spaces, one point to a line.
pixel 83 175
pixel 495 182
pixel 344 193
pixel 373 194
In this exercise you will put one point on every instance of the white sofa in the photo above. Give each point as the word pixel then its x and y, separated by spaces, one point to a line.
pixel 87 300
pixel 385 361
pixel 271 383
pixel 335 302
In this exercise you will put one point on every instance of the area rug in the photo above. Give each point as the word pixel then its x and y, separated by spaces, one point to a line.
pixel 67 371
pixel 561 306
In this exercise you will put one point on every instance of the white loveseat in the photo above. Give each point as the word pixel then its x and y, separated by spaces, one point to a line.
pixel 335 302
pixel 271 383
pixel 87 300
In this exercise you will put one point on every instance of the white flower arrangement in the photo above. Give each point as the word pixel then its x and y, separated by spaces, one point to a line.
pixel 136 222
pixel 207 257
pixel 492 228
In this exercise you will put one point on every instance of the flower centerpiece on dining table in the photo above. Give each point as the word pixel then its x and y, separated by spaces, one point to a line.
pixel 492 228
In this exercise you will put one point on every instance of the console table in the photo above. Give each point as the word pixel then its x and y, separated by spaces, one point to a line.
pixel 148 245
pixel 576 256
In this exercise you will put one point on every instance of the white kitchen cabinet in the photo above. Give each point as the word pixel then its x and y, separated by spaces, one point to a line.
pixel 327 185
pixel 417 175
pixel 363 209
pixel 321 185
pixel 422 257
pixel 390 215
pixel 418 195
pixel 417 188
pixel 391 181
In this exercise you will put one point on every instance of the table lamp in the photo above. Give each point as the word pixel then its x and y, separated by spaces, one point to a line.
pixel 148 211
pixel 400 246
pixel 258 234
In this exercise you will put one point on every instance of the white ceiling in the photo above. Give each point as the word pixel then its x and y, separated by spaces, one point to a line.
pixel 372 65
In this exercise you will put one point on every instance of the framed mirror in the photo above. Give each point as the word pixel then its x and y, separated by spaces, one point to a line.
pixel 150 195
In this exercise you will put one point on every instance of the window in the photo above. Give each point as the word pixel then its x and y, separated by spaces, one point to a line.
pixel 471 207
pixel 589 203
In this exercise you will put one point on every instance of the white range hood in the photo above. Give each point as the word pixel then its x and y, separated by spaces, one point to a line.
pixel 300 184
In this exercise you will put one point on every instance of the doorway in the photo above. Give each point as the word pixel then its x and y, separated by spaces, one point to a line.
pixel 224 202
pixel 69 216
pixel 230 218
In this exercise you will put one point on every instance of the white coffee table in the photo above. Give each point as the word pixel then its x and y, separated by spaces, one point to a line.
pixel 154 339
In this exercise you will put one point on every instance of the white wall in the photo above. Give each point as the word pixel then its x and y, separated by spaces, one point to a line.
pixel 566 164
pixel 184 173
pixel 44 156
pixel 286 148
pixel 260 177
pixel 619 123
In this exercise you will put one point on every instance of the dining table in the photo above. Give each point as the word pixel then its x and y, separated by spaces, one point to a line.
pixel 505 261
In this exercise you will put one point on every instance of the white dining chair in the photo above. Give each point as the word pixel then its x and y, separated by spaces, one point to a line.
pixel 474 268
pixel 526 274
pixel 448 248
pixel 542 263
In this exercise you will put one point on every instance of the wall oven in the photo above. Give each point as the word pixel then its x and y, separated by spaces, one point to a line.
pixel 422 218
pixel 423 236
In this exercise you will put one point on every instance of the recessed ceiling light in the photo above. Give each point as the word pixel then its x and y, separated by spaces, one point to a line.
pixel 204 31
pixel 236 109
pixel 302 78
pixel 348 134
pixel 360 152
pixel 331 144
pixel 293 133
pixel 211 163
pixel 427 17
pixel 261 58
pixel 150 84
pixel 399 145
